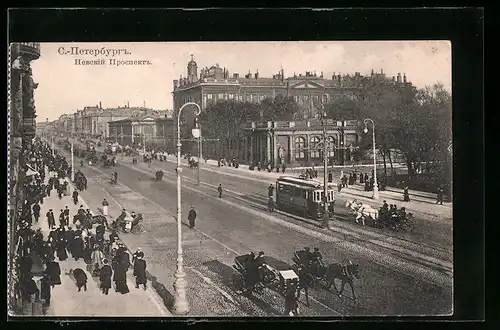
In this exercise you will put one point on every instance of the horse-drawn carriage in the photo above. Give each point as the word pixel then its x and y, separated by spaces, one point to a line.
pixel 397 220
pixel 315 271
pixel 88 221
pixel 254 275
pixel 127 222
pixel 193 162
pixel 109 162
pixel 159 175
pixel 80 181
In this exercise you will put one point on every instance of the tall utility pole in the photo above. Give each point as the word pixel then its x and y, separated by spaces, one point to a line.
pixel 326 217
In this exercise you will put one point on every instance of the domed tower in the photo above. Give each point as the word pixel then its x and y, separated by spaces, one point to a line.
pixel 192 70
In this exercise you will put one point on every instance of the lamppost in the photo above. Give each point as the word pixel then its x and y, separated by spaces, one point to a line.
pixel 326 217
pixel 181 305
pixel 72 152
pixel 375 184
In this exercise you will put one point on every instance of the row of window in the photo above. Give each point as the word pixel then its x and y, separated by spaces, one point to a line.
pixel 315 149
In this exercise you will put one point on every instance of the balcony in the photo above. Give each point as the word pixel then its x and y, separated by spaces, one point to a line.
pixel 29 49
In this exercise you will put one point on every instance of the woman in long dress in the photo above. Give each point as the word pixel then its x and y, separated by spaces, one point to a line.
pixel 97 259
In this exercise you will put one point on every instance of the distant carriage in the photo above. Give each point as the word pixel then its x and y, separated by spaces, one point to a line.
pixel 303 196
pixel 363 212
pixel 249 280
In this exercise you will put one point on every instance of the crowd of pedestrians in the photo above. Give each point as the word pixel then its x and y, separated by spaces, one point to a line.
pixel 40 253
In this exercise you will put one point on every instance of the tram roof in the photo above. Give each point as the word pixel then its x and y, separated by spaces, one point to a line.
pixel 313 183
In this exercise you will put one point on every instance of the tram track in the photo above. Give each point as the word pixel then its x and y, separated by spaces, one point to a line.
pixel 397 250
pixel 418 262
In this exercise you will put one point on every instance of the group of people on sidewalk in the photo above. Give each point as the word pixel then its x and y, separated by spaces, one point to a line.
pixel 36 253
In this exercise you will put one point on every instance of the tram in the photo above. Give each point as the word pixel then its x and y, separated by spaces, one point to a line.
pixel 303 196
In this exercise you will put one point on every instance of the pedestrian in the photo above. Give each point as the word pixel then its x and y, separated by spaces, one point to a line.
pixel 192 217
pixel 406 194
pixel 78 247
pixel 303 283
pixel 270 204
pixel 270 191
pixel 105 277
pixel 97 258
pixel 219 190
pixel 283 168
pixel 105 206
pixel 140 271
pixel 36 212
pixel 440 194
pixel 291 306
pixel 53 272
pixel 66 216
pixel 62 254
pixel 75 197
pixel 120 275
pixel 61 218
pixel 70 237
pixel 80 278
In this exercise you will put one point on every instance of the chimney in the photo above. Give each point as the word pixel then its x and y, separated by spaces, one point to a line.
pixel 381 71
pixel 399 78
pixel 404 78
pixel 128 104
pixel 257 75
pixel 100 105
pixel 176 83
pixel 321 74
pixel 333 76
pixel 373 72
pixel 236 76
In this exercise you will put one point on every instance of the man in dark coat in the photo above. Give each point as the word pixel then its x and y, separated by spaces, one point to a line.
pixel 62 254
pixel 53 272
pixel 62 218
pixel 75 197
pixel 36 211
pixel 192 217
pixel 219 190
pixel 105 277
pixel 291 306
pixel 66 216
pixel 270 191
pixel 80 278
pixel 77 249
pixel 120 275
pixel 50 219
pixel 140 272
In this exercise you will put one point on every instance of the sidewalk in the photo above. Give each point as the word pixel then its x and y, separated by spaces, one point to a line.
pixel 67 301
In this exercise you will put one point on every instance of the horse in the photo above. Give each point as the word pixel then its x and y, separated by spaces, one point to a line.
pixel 346 273
pixel 362 211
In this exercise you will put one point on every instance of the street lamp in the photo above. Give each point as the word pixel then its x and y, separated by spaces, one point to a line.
pixel 375 184
pixel 181 305
pixel 326 217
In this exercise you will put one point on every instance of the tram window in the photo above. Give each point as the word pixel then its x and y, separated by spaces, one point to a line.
pixel 280 188
pixel 287 190
pixel 304 194
pixel 297 192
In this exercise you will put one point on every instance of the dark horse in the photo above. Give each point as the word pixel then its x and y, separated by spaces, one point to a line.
pixel 345 273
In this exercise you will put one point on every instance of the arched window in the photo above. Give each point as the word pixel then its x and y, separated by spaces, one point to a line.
pixel 315 148
pixel 332 144
pixel 300 145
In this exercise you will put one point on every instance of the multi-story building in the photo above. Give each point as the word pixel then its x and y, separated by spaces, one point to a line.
pixel 21 131
pixel 309 90
pixel 149 129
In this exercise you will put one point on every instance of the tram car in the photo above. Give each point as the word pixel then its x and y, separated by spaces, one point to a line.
pixel 303 196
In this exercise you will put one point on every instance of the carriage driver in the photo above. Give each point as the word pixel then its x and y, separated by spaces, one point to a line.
pixel 316 260
pixel 308 256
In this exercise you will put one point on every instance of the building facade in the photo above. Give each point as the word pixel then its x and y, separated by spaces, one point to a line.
pixel 149 130
pixel 293 143
pixel 309 90
pixel 21 131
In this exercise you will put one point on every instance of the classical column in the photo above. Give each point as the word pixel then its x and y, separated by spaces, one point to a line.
pixel 268 147
pixel 275 149
pixel 245 146
pixel 251 149
pixel 291 147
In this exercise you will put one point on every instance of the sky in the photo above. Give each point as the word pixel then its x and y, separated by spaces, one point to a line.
pixel 65 86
